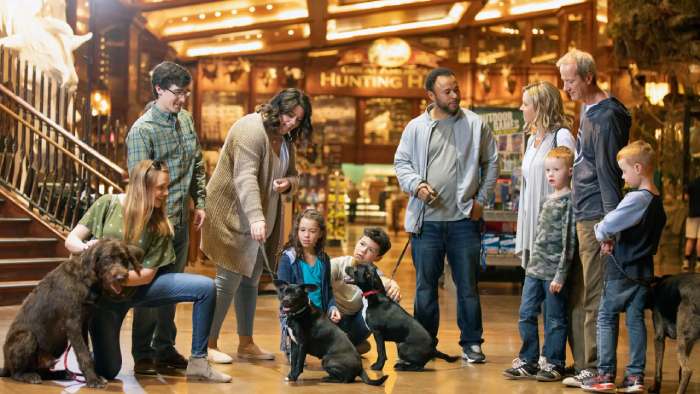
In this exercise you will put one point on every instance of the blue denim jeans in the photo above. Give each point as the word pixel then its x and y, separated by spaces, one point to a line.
pixel 460 241
pixel 535 293
pixel 355 327
pixel 165 289
pixel 153 330
pixel 622 295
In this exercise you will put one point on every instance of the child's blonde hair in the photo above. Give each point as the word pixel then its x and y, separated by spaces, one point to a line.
pixel 564 153
pixel 639 152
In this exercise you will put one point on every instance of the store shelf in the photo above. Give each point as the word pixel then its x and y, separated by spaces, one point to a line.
pixel 502 260
pixel 491 215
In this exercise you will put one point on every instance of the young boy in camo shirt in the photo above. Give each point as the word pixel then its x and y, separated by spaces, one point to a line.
pixel 545 275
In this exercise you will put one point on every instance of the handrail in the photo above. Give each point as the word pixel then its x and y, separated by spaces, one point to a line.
pixel 113 166
pixel 62 149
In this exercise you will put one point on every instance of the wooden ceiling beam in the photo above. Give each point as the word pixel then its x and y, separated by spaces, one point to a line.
pixel 164 5
pixel 474 7
pixel 389 8
pixel 318 11
pixel 215 32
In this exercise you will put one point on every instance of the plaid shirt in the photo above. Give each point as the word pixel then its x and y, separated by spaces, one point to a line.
pixel 171 138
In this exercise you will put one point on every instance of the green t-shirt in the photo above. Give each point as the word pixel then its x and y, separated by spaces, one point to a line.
pixel 105 219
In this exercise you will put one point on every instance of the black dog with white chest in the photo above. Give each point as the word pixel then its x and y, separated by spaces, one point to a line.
pixel 676 314
pixel 313 333
pixel 390 322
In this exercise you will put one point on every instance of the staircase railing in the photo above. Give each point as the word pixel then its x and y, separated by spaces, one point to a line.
pixel 58 173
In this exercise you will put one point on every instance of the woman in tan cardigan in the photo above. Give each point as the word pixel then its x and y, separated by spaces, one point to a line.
pixel 256 165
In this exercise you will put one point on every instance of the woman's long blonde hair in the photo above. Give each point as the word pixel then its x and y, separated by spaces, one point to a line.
pixel 139 211
pixel 549 108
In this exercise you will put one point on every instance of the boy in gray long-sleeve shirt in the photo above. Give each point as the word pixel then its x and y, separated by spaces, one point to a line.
pixel 546 273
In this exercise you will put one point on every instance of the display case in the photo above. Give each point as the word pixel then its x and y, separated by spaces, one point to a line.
pixel 385 119
pixel 219 111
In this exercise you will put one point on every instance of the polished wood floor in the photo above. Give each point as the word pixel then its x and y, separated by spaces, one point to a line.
pixel 500 303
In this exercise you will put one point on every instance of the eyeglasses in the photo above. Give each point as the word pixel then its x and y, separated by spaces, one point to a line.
pixel 180 93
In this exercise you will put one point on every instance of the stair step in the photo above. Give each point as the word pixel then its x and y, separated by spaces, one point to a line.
pixel 27 247
pixel 14 227
pixel 13 293
pixel 27 268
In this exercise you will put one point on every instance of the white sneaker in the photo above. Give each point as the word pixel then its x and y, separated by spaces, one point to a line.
pixel 577 380
pixel 218 357
pixel 199 369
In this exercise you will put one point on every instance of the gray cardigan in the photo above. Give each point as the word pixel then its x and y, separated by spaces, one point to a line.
pixel 477 162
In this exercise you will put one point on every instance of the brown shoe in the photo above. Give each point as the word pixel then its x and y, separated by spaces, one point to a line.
pixel 173 361
pixel 145 366
pixel 253 352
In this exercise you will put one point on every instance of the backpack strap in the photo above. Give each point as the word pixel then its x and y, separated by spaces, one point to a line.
pixel 554 142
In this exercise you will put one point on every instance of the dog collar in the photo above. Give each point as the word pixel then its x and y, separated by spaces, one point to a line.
pixel 369 293
pixel 300 311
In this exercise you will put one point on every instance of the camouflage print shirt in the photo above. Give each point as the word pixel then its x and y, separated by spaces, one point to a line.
pixel 555 241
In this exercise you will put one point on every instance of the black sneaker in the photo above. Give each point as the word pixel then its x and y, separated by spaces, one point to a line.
pixel 473 354
pixel 521 370
pixel 550 373
pixel 172 361
pixel 145 366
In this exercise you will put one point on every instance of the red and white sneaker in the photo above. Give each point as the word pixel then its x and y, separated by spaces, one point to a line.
pixel 602 383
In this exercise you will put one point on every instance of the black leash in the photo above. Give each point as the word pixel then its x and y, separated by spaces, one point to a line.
pixel 634 280
pixel 267 265
pixel 398 262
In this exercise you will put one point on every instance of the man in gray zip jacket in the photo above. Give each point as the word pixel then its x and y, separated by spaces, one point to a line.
pixel 447 161
pixel 597 189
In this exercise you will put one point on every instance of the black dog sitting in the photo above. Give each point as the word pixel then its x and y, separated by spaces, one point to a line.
pixel 676 314
pixel 389 322
pixel 312 333
pixel 58 311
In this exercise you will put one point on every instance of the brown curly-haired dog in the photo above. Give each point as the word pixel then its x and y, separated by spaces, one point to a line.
pixel 58 311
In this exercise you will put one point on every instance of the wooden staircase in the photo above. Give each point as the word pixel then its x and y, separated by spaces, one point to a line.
pixel 29 249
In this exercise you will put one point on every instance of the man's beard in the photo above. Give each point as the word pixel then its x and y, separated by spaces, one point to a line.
pixel 446 108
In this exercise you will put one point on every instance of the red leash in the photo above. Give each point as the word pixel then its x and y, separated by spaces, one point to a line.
pixel 78 377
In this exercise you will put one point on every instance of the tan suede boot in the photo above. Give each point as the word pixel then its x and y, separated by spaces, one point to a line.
pixel 199 369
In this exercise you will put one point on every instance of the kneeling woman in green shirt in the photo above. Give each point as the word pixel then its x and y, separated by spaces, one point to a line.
pixel 139 217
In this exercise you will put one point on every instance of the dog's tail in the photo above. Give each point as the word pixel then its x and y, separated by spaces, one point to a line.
pixel 372 382
pixel 443 356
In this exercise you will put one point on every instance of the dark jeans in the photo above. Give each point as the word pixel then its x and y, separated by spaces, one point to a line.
pixel 535 293
pixel 165 289
pixel 355 327
pixel 622 295
pixel 461 242
pixel 153 330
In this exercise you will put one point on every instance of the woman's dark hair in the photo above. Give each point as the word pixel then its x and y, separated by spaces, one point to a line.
pixel 167 74
pixel 282 103
pixel 294 242
pixel 380 237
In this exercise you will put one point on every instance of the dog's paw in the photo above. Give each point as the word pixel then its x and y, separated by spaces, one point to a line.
pixel 291 378
pixel 377 366
pixel 29 377
pixel 97 383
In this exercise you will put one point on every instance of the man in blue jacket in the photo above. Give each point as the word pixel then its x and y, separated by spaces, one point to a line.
pixel 447 161
pixel 597 189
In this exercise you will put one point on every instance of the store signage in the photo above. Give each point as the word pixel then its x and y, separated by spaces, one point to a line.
pixel 501 120
pixel 389 67
pixel 372 77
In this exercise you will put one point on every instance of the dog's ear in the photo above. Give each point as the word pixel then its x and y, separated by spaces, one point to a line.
pixel 280 284
pixel 308 287
pixel 135 256
pixel 350 271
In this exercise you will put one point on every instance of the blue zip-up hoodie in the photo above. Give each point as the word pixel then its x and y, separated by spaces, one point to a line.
pixel 289 270
pixel 477 162
pixel 597 181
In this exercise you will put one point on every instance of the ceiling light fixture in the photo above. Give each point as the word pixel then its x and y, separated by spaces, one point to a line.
pixel 488 14
pixel 269 7
pixel 452 17
pixel 221 49
pixel 542 6
pixel 214 25
pixel 368 5
pixel 251 9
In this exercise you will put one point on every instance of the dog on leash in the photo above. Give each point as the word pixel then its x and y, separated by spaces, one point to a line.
pixel 58 310
pixel 311 332
pixel 390 322
pixel 676 314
